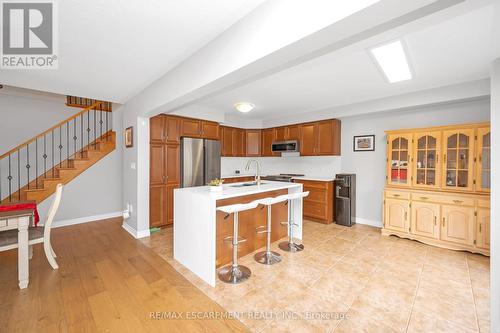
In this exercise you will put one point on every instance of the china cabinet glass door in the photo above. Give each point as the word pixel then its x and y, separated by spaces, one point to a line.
pixel 398 166
pixel 426 159
pixel 483 182
pixel 458 159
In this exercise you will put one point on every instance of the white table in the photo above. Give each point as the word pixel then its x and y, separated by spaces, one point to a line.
pixel 19 220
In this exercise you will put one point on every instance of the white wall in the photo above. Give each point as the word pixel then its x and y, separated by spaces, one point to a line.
pixel 370 166
pixel 94 193
pixel 324 166
pixel 495 196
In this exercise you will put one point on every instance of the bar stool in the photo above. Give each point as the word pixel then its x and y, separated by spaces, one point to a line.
pixel 235 273
pixel 289 245
pixel 268 257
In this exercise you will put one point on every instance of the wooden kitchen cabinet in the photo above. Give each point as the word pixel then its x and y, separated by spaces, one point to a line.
pixel 172 129
pixel 483 171
pixel 280 133
pixel 292 132
pixel 191 127
pixel 169 193
pixel 209 130
pixel 457 224
pixel 227 145
pixel 157 206
pixel 252 142
pixel 318 206
pixel 241 179
pixel 157 164
pixel 425 219
pixel 397 213
pixel 239 142
pixel 172 165
pixel 320 138
pixel 268 137
pixel 449 187
pixel 483 228
pixel 157 129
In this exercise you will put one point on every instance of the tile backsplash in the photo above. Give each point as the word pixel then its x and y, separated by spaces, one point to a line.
pixel 324 166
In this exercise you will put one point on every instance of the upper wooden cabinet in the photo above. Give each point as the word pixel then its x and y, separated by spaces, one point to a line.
pixel 191 127
pixel 483 170
pixel 292 132
pixel 280 133
pixel 172 129
pixel 209 130
pixel 227 146
pixel 252 142
pixel 157 129
pixel 268 137
pixel 398 159
pixel 320 138
pixel 427 167
pixel 458 159
pixel 239 142
pixel 454 158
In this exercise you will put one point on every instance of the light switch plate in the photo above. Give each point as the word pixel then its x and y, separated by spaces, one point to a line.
pixel 132 165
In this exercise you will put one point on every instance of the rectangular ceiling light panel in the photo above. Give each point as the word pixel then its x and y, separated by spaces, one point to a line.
pixel 393 61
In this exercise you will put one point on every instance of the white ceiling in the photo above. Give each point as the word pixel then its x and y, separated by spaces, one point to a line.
pixel 442 52
pixel 113 49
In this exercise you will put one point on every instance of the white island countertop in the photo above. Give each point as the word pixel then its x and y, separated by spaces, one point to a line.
pixel 234 190
pixel 195 222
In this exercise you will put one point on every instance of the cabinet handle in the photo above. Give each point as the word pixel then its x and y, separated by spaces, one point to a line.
pixel 435 220
pixel 396 195
pixel 406 216
pixel 480 158
pixel 444 158
pixel 444 221
pixel 458 201
pixel 424 198
pixel 480 228
pixel 437 158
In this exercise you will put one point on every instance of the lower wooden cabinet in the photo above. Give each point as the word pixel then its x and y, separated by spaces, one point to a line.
pixel 448 220
pixel 396 214
pixel 157 206
pixel 241 179
pixel 170 202
pixel 457 224
pixel 318 206
pixel 425 219
pixel 483 228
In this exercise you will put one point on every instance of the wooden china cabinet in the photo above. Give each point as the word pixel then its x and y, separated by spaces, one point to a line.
pixel 437 186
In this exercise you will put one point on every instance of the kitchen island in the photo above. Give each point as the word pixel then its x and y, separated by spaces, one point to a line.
pixel 199 229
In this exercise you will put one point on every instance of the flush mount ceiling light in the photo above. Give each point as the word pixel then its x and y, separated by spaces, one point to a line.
pixel 244 107
pixel 392 60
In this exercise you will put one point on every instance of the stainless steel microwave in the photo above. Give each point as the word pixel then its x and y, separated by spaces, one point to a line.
pixel 285 146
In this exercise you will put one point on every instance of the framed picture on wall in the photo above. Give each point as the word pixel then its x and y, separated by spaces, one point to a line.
pixel 364 143
pixel 129 137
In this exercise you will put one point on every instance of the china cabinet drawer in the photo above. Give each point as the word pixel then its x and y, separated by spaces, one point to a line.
pixel 397 195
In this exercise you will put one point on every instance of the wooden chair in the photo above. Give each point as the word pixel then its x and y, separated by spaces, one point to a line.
pixel 41 234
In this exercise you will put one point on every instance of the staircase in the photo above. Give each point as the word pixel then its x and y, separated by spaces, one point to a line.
pixel 32 170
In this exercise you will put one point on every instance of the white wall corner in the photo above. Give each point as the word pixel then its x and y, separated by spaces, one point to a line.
pixel 135 233
pixel 79 220
pixel 373 223
pixel 142 141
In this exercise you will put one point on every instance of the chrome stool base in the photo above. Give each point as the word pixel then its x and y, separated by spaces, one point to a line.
pixel 234 275
pixel 267 258
pixel 291 247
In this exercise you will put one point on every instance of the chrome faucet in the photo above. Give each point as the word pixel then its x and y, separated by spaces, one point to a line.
pixel 257 171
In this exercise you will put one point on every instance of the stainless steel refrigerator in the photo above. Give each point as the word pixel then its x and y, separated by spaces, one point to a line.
pixel 200 161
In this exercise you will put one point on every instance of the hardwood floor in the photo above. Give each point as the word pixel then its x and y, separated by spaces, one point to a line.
pixel 107 281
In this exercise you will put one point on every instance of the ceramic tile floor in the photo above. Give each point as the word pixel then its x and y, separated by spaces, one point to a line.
pixel 354 280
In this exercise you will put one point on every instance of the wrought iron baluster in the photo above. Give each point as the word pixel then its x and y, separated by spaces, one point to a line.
pixel 36 163
pixel 10 181
pixel 81 138
pixel 45 155
pixel 74 137
pixel 107 134
pixel 28 164
pixel 95 126
pixel 100 122
pixel 60 146
pixel 19 175
pixel 88 130
pixel 67 143
pixel 53 154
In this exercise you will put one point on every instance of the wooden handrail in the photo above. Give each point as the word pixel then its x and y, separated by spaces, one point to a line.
pixel 22 145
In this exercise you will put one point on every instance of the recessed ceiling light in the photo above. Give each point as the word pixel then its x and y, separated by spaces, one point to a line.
pixel 391 58
pixel 244 107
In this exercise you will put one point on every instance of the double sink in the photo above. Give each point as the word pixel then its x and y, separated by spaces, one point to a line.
pixel 247 184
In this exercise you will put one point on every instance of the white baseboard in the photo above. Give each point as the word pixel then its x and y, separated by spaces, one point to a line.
pixel 79 220
pixel 373 223
pixel 136 234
